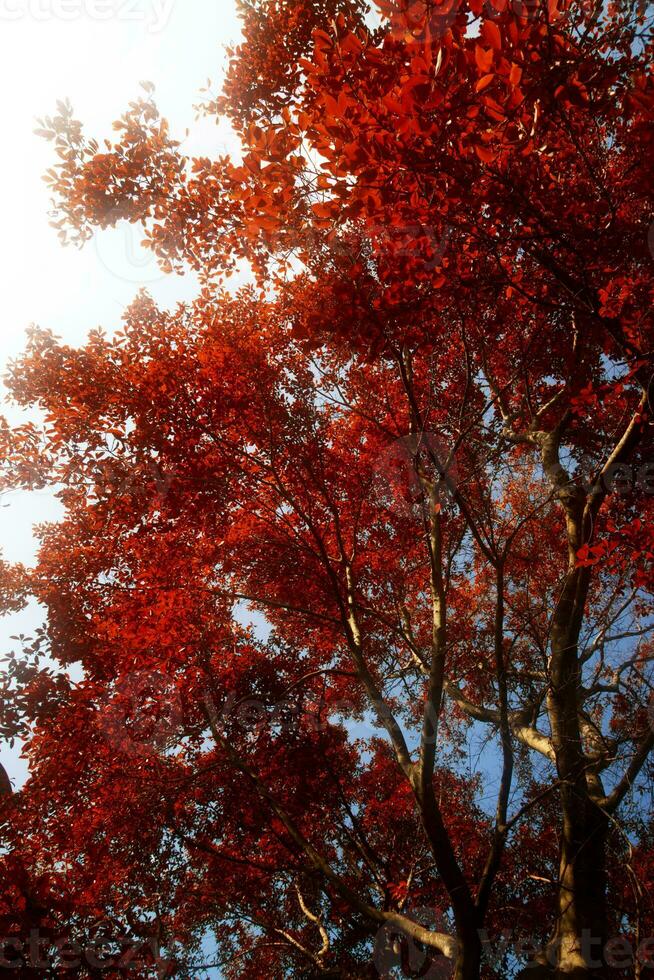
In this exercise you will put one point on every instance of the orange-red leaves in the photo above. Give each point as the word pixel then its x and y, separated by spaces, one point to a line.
pixel 325 210
pixel 490 34
pixel 331 104
pixel 350 44
pixel 322 40
pixel 515 74
pixel 485 153
pixel 392 103
pixel 236 447
pixel 308 66
pixel 414 83
pixel 484 58
pixel 493 109
pixel 553 10
pixel 484 82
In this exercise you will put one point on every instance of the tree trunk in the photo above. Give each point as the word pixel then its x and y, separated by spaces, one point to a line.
pixel 468 963
pixel 580 933
pixel 581 930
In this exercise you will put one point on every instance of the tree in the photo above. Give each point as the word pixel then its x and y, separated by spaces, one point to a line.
pixel 418 450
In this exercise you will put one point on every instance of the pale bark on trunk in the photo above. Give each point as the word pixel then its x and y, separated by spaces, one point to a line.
pixel 580 932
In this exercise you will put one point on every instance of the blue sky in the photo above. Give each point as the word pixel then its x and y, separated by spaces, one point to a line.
pixel 95 53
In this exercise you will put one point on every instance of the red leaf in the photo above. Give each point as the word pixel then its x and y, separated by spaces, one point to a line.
pixel 490 34
pixel 484 58
pixel 484 82
pixel 485 154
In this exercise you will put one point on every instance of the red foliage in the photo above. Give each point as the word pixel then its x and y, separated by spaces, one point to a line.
pixel 417 448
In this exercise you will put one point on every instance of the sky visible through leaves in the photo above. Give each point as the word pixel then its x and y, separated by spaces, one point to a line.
pixel 98 64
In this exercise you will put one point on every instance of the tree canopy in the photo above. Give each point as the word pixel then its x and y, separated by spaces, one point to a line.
pixel 355 572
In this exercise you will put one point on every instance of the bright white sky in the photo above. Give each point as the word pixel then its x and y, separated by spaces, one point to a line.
pixel 94 52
